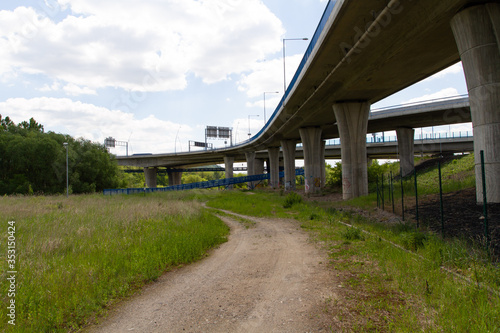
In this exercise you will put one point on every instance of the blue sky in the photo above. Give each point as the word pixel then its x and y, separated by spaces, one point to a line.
pixel 156 73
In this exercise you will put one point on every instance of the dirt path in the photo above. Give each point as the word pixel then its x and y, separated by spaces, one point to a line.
pixel 268 278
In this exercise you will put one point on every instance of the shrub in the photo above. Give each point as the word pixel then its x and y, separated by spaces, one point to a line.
pixel 352 234
pixel 291 199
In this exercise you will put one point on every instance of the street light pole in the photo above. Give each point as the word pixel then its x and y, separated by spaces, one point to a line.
pixel 267 92
pixel 65 144
pixel 284 55
pixel 250 115
pixel 175 149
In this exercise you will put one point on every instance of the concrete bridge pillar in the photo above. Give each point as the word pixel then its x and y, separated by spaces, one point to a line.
pixel 150 176
pixel 258 167
pixel 281 168
pixel 312 145
pixel 406 149
pixel 352 121
pixel 250 156
pixel 274 163
pixel 228 165
pixel 174 178
pixel 289 147
pixel 477 33
pixel 323 164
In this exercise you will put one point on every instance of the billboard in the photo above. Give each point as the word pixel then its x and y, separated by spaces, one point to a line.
pixel 211 132
pixel 109 142
pixel 224 132
pixel 200 144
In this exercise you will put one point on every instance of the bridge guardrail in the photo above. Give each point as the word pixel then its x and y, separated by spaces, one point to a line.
pixel 199 185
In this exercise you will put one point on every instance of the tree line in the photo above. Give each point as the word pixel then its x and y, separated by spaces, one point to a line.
pixel 34 162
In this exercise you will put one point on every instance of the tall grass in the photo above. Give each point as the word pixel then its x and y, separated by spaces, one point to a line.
pixel 77 255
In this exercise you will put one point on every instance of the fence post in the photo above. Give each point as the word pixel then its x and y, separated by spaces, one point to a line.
pixel 392 194
pixel 378 200
pixel 441 200
pixel 383 199
pixel 416 196
pixel 402 194
pixel 485 204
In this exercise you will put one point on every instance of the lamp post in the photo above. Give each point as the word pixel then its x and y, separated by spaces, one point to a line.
pixel 267 92
pixel 250 115
pixel 65 144
pixel 284 66
pixel 175 149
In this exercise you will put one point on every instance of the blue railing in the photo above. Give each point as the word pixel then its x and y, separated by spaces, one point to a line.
pixel 199 185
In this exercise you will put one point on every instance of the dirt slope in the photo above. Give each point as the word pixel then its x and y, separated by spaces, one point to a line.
pixel 268 278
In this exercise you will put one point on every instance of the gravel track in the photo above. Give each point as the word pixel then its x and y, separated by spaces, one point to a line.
pixel 267 278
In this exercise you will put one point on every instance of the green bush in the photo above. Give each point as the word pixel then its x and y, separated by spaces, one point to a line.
pixel 413 240
pixel 352 234
pixel 292 199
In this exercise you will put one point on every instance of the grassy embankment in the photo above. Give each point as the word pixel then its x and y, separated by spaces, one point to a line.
pixel 456 175
pixel 77 256
pixel 386 288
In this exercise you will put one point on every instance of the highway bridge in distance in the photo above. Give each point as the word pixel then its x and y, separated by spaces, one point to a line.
pixel 429 113
pixel 362 52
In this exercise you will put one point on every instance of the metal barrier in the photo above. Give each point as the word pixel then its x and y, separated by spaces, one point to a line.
pixel 200 185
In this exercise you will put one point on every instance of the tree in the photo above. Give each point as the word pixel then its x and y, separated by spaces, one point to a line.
pixel 32 161
pixel 32 125
pixel 5 123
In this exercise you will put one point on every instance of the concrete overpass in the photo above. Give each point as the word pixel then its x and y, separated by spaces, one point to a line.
pixel 431 113
pixel 366 50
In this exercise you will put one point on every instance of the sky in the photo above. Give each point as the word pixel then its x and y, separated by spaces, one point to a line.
pixel 156 73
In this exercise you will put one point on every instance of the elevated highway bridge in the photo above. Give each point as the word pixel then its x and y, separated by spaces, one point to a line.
pixel 362 52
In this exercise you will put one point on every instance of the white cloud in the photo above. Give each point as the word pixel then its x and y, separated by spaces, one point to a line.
pixel 74 90
pixel 95 123
pixel 268 76
pixel 454 69
pixel 147 46
pixel 444 93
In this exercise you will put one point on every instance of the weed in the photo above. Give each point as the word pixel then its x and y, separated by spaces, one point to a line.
pixel 412 240
pixel 291 199
pixel 352 234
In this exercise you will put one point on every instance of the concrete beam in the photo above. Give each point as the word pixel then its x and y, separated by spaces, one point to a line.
pixel 289 147
pixel 274 163
pixel 477 34
pixel 312 145
pixel 150 176
pixel 406 148
pixel 228 164
pixel 352 121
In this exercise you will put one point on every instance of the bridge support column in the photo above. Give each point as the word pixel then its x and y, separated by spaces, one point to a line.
pixel 228 164
pixel 406 149
pixel 174 178
pixel 289 147
pixel 323 164
pixel 150 176
pixel 250 156
pixel 312 145
pixel 274 163
pixel 477 33
pixel 258 167
pixel 352 121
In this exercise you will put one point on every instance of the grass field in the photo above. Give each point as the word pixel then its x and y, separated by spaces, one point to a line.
pixel 77 256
